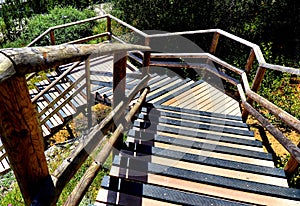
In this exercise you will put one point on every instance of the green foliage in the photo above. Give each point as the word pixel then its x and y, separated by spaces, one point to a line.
pixel 257 21
pixel 15 14
pixel 40 23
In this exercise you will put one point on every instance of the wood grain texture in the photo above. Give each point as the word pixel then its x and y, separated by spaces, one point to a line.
pixel 22 137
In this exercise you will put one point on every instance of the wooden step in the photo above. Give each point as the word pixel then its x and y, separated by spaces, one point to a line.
pixel 162 193
pixel 144 123
pixel 203 119
pixel 207 147
pixel 108 197
pixel 192 112
pixel 176 92
pixel 189 181
pixel 187 134
pixel 232 183
pixel 159 94
pixel 204 160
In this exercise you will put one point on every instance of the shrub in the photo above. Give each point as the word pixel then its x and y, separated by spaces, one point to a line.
pixel 41 22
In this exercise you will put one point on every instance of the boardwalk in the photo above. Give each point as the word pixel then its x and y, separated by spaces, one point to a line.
pixel 187 146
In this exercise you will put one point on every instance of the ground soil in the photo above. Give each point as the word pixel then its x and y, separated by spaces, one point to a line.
pixel 261 134
pixel 79 123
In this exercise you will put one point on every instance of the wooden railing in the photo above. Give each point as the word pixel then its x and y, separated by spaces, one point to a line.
pixel 245 91
pixel 22 137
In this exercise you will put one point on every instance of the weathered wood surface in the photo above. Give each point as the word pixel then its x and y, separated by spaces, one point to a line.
pixel 69 167
pixel 81 188
pixel 22 137
pixel 292 165
pixel 214 43
pixel 21 61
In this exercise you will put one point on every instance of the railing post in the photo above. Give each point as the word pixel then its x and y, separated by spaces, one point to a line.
pixel 88 91
pixel 147 57
pixel 292 165
pixel 52 37
pixel 214 43
pixel 108 27
pixel 119 77
pixel 22 138
pixel 250 61
pixel 119 84
pixel 255 86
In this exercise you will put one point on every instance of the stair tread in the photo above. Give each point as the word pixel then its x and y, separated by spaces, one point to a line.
pixel 244 185
pixel 164 194
pixel 135 169
pixel 175 92
pixel 154 112
pixel 200 159
pixel 197 112
pixel 201 135
pixel 210 147
pixel 108 197
pixel 195 125
pixel 165 91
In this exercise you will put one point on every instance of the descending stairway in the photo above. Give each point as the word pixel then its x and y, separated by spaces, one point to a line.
pixel 179 156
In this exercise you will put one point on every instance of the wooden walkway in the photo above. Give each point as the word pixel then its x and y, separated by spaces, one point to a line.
pixel 178 156
pixel 187 146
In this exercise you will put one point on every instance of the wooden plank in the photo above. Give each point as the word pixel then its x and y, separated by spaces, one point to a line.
pixel 186 117
pixel 184 86
pixel 165 194
pixel 196 112
pixel 117 198
pixel 195 96
pixel 206 140
pixel 160 90
pixel 176 101
pixel 199 134
pixel 211 153
pixel 207 132
pixel 198 125
pixel 194 138
pixel 199 159
pixel 163 84
pixel 213 147
pixel 205 189
pixel 232 183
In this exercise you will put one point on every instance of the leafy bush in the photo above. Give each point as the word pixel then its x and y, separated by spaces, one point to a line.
pixel 41 22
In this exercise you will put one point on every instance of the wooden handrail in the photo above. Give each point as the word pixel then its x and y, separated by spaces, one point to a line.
pixel 52 84
pixel 60 96
pixel 68 168
pixel 43 121
pixel 64 26
pixel 79 191
pixel 22 61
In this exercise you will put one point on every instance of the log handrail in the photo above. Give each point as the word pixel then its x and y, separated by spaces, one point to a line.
pixel 52 84
pixel 70 165
pixel 79 191
pixel 60 96
pixel 64 26
pixel 43 121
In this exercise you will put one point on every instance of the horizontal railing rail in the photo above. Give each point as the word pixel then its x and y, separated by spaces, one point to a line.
pixel 69 167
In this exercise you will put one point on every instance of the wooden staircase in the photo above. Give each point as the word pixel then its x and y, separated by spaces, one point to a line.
pixel 179 156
